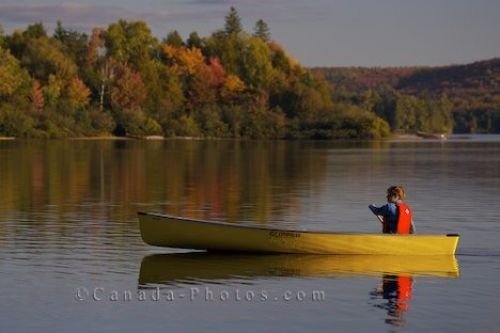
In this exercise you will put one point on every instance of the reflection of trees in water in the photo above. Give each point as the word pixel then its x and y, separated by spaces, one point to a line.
pixel 396 291
pixel 228 179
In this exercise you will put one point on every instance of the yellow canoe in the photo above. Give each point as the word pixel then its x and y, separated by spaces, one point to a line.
pixel 176 232
pixel 203 266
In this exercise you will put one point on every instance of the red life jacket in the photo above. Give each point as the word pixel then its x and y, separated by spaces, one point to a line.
pixel 404 218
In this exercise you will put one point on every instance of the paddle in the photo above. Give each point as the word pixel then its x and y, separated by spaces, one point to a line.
pixel 381 219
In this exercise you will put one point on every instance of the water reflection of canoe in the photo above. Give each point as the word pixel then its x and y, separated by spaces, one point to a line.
pixel 436 136
pixel 203 266
pixel 169 231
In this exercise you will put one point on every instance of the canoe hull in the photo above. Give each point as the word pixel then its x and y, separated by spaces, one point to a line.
pixel 170 231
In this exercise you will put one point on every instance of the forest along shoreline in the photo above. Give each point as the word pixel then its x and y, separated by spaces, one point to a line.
pixel 123 81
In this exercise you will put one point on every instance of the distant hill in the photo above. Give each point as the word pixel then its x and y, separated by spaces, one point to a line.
pixel 473 89
pixel 360 79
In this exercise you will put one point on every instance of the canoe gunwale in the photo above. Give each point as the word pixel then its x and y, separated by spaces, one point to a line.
pixel 264 228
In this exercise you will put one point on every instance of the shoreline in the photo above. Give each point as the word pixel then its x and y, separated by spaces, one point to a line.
pixel 392 138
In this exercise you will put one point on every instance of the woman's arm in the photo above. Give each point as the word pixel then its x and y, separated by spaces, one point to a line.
pixel 382 211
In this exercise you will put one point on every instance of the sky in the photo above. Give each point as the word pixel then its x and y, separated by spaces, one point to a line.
pixel 316 32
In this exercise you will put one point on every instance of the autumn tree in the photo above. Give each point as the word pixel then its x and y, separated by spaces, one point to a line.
pixel 185 61
pixel 218 72
pixel 128 91
pixel 232 88
pixel 197 77
pixel 95 49
pixel 77 93
pixel 128 94
pixel 36 97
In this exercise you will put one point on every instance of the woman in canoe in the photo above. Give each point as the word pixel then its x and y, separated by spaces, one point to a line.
pixel 396 216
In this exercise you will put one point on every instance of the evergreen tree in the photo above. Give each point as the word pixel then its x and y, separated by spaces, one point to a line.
pixel 174 39
pixel 60 33
pixel 262 30
pixel 36 30
pixel 194 40
pixel 233 22
pixel 2 37
pixel 75 44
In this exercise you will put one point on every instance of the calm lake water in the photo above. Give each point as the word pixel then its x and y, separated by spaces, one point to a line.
pixel 72 260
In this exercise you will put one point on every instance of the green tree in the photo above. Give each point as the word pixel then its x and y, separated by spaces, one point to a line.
pixel 43 57
pixel 305 99
pixel 233 22
pixel 408 114
pixel 34 31
pixel 174 39
pixel 280 59
pixel 165 96
pixel 440 119
pixel 52 90
pixel 194 41
pixel 2 37
pixel 130 43
pixel 75 44
pixel 12 76
pixel 255 64
pixel 262 30
pixel 15 123
pixel 227 48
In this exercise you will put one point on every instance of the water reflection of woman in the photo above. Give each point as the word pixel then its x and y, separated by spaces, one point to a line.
pixel 397 290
